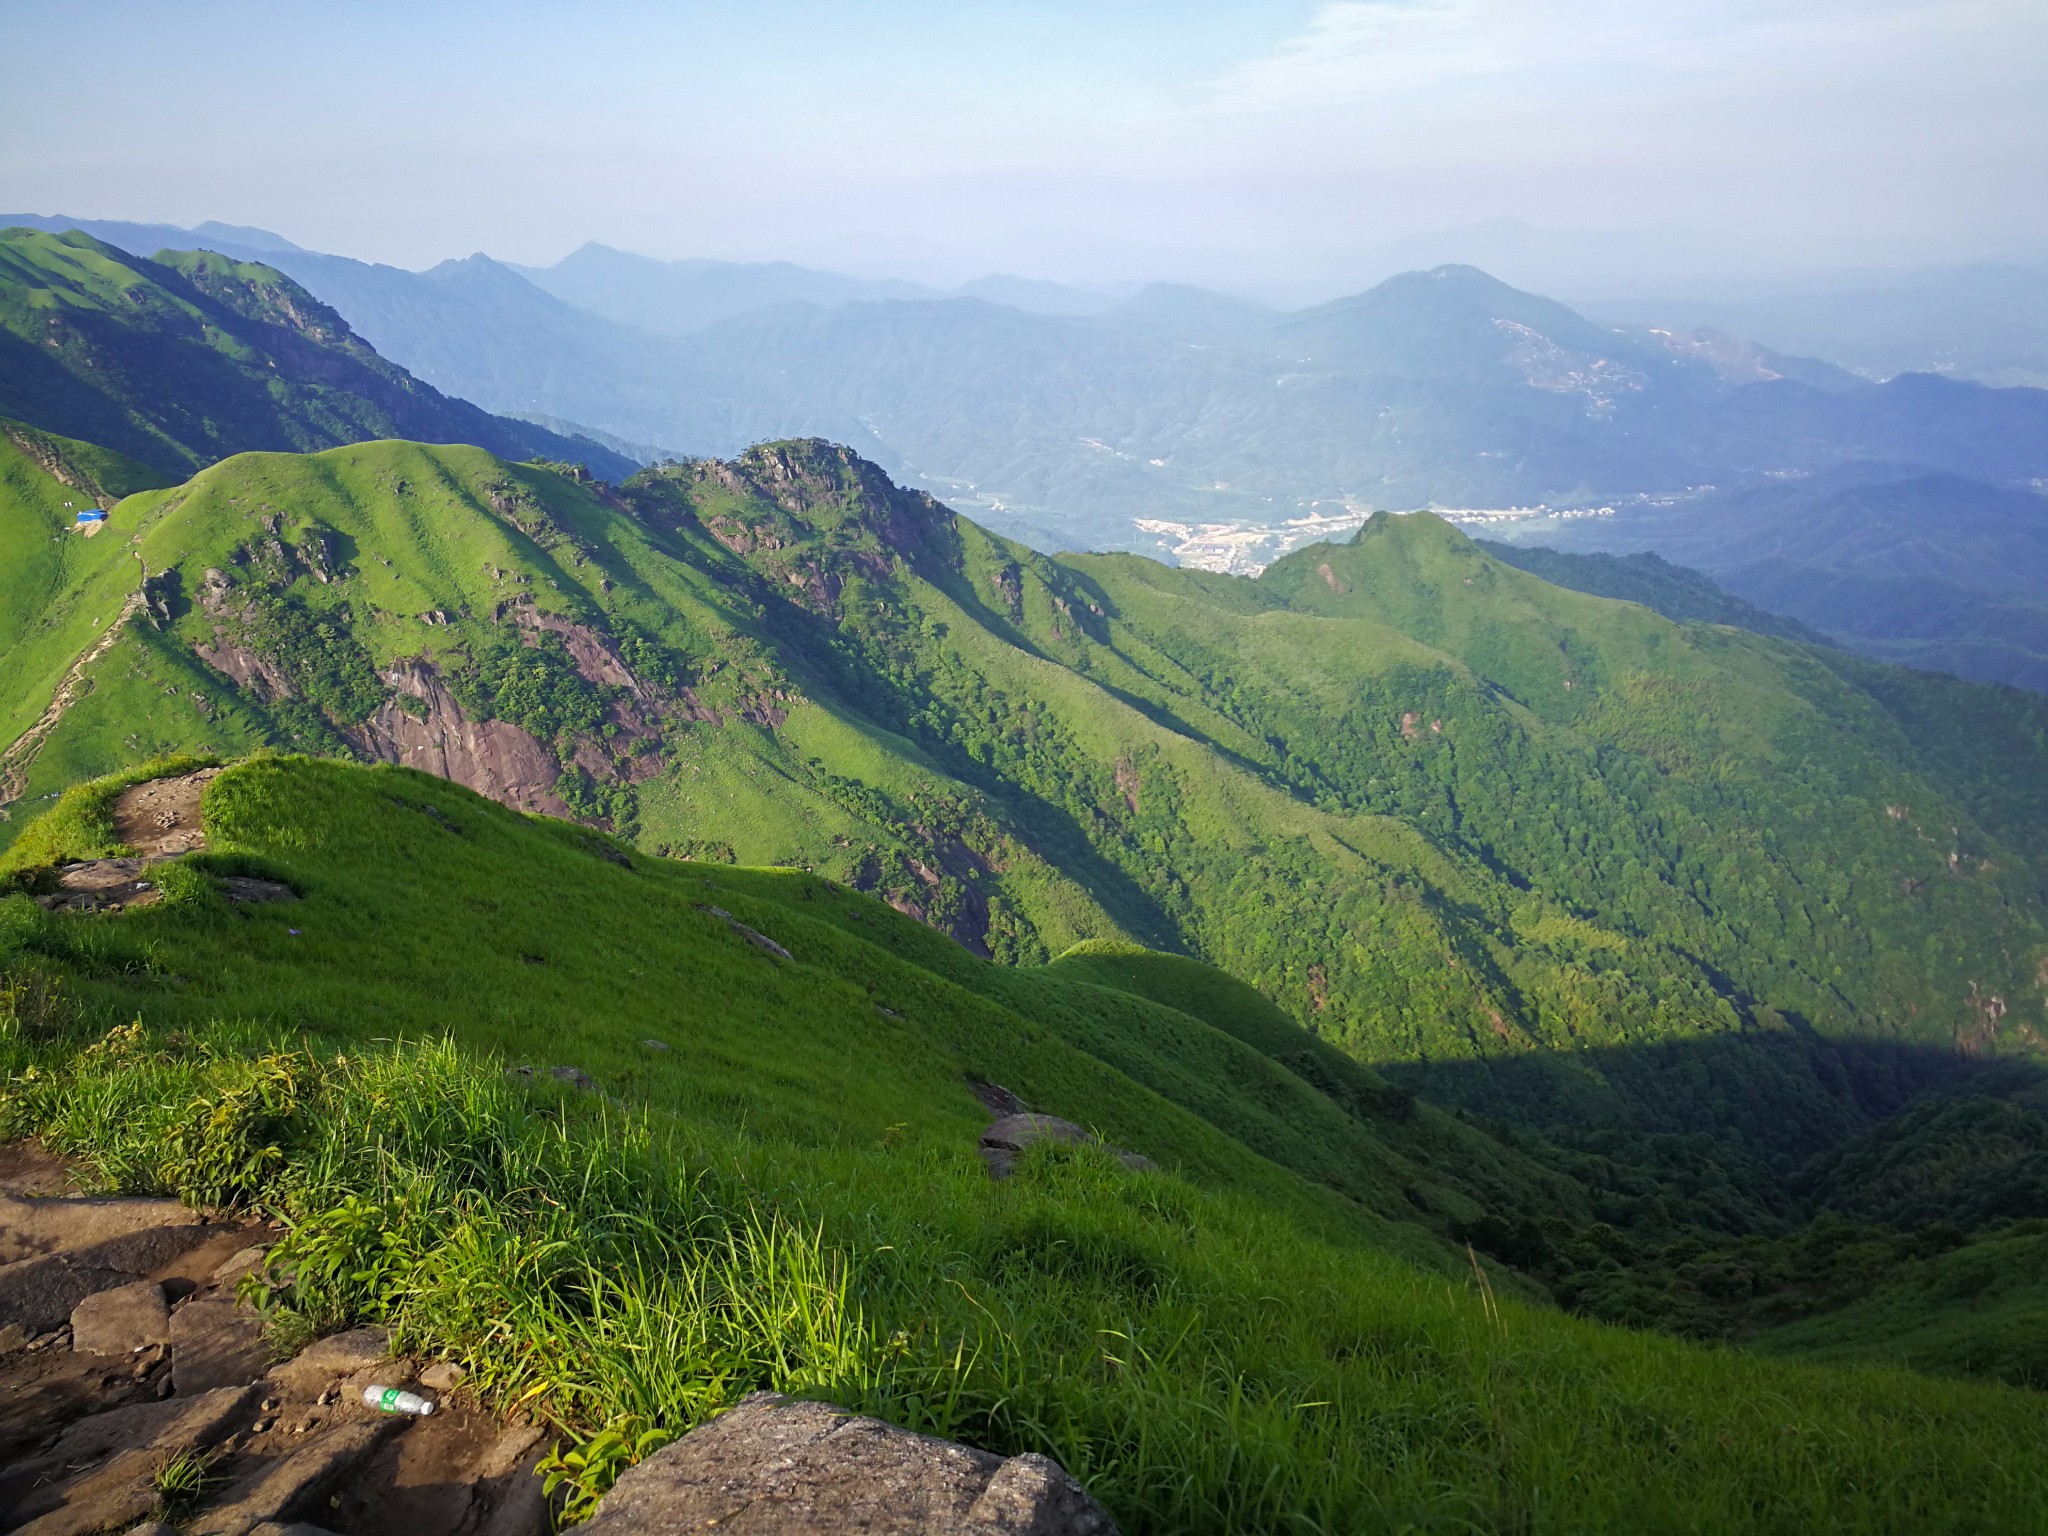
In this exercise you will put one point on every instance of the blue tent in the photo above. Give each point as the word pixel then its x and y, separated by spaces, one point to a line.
pixel 91 517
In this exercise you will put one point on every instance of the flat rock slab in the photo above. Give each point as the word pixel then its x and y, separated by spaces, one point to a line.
pixel 215 1344
pixel 122 1320
pixel 1003 1142
pixel 123 1492
pixel 778 1466
pixel 285 1488
pixel 30 1227
pixel 248 888
pixel 100 874
pixel 326 1361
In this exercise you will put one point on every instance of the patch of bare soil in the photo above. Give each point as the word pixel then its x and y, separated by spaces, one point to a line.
pixel 160 819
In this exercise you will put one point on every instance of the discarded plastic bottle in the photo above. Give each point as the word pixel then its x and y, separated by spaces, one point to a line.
pixel 392 1400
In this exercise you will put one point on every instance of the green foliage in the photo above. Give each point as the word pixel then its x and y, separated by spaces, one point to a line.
pixel 605 801
pixel 581 1474
pixel 184 1481
pixel 533 685
pixel 317 653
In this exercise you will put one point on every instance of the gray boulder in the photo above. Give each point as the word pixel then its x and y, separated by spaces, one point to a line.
pixel 121 1321
pixel 779 1466
pixel 1002 1142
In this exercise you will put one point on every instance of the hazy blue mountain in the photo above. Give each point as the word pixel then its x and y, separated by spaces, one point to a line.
pixel 1984 322
pixel 1933 570
pixel 1191 314
pixel 228 239
pixel 677 297
pixel 1041 297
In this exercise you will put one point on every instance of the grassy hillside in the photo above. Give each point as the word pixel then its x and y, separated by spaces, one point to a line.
pixel 180 361
pixel 1702 905
pixel 1221 1345
pixel 1681 595
pixel 1538 853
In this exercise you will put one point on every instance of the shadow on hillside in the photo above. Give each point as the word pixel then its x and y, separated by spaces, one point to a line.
pixel 1787 1094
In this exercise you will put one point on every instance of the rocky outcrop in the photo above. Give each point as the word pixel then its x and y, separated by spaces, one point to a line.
pixel 492 757
pixel 249 670
pixel 1005 1141
pixel 170 1366
pixel 778 1466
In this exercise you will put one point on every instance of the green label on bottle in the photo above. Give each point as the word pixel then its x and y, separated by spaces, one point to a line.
pixel 389 1402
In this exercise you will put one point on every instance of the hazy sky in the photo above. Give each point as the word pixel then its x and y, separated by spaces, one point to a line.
pixel 1268 145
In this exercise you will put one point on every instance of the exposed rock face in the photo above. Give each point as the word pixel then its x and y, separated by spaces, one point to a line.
pixel 492 757
pixel 777 1466
pixel 1003 1142
pixel 251 671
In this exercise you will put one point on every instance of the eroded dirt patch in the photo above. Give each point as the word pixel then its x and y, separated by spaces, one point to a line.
pixel 160 819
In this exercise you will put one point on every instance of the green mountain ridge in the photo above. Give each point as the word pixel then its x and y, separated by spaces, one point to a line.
pixel 1310 779
pixel 183 360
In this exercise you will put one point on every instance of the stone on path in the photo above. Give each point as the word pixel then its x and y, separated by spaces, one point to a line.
pixel 778 1466
pixel 1003 1142
pixel 121 1321
pixel 215 1344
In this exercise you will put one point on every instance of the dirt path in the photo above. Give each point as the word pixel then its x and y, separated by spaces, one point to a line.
pixel 14 762
pixel 125 1349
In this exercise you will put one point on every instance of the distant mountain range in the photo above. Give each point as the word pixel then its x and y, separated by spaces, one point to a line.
pixel 1987 322
pixel 1173 419
pixel 678 297
pixel 1443 388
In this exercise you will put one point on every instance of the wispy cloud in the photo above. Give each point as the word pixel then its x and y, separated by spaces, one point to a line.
pixel 1362 53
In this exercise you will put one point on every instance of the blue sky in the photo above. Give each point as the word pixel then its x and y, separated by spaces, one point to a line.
pixel 1266 145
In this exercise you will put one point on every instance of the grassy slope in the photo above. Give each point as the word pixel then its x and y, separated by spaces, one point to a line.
pixel 43 558
pixel 179 361
pixel 396 955
pixel 1691 840
pixel 1680 593
pixel 1193 1352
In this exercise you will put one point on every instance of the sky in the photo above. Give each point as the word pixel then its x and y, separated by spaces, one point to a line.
pixel 1284 148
